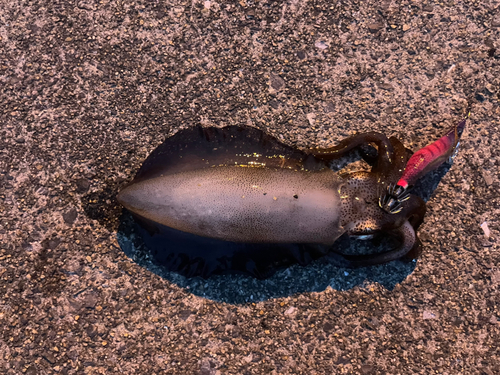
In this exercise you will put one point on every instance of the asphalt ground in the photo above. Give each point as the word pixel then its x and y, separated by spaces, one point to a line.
pixel 89 89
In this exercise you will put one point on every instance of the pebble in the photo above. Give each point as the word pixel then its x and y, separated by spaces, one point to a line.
pixel 290 310
pixel 82 185
pixel 70 216
pixel 276 82
pixel 385 86
pixel 375 26
pixel 487 177
pixel 321 45
pixel 486 230
pixel 428 315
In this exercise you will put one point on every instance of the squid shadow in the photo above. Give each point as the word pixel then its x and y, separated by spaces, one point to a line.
pixel 240 273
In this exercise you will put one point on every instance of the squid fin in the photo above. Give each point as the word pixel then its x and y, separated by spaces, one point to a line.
pixel 198 148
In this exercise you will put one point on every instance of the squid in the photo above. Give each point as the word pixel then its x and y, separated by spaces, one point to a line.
pixel 238 187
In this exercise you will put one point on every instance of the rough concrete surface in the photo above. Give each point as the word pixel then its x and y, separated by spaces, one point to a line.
pixel 89 88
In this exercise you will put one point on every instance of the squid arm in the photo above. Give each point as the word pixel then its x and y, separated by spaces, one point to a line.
pixel 409 241
pixel 385 148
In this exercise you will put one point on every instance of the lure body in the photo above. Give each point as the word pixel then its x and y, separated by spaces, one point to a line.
pixel 432 156
pixel 422 162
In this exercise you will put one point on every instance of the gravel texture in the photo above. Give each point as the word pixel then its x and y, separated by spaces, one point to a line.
pixel 88 89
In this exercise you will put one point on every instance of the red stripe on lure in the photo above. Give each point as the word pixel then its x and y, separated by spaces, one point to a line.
pixel 432 156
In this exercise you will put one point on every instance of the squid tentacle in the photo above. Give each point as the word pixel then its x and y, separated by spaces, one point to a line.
pixel 394 172
pixel 409 240
pixel 385 148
